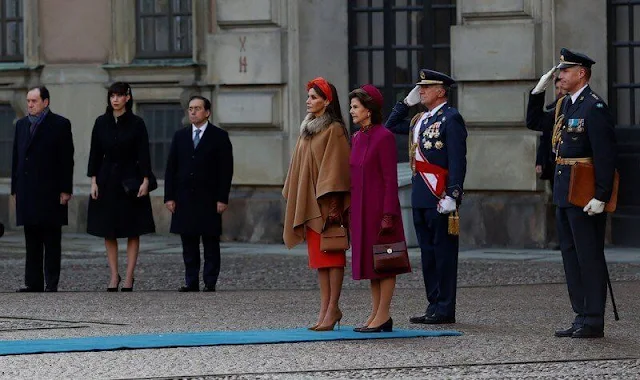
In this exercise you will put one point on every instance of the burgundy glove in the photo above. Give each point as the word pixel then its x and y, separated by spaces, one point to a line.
pixel 386 225
pixel 334 212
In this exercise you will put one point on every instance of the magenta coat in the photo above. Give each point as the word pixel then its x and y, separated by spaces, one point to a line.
pixel 374 192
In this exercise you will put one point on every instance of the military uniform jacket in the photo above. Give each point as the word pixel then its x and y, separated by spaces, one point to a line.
pixel 442 141
pixel 585 129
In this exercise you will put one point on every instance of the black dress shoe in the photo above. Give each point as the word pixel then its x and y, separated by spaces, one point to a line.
pixel 420 318
pixel 587 331
pixel 28 290
pixel 439 320
pixel 385 327
pixel 189 289
pixel 209 288
pixel 566 333
pixel 51 290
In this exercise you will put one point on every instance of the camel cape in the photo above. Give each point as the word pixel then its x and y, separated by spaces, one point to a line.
pixel 319 166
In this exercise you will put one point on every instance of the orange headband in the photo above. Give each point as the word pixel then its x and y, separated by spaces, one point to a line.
pixel 323 85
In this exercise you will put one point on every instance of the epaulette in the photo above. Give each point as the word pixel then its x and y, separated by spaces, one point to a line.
pixel 595 96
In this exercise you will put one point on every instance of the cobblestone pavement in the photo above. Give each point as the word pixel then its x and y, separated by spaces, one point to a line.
pixel 509 303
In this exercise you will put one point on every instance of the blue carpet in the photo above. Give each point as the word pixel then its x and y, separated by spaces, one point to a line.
pixel 198 339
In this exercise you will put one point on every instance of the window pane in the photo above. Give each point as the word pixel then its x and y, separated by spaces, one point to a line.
pixel 362 65
pixel 182 35
pixel 162 34
pixel 147 34
pixel 162 121
pixel 7 129
pixel 12 8
pixel 165 31
pixel 181 6
pixel 162 6
pixel 11 38
pixel 14 38
pixel 146 6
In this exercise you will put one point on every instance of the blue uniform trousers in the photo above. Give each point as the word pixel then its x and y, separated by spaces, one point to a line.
pixel 582 245
pixel 439 253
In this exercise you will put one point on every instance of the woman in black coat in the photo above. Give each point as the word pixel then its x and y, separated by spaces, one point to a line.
pixel 120 171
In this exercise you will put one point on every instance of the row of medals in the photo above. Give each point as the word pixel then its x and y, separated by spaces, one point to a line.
pixel 433 132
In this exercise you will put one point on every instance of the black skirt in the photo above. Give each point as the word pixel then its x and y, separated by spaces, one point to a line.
pixel 118 215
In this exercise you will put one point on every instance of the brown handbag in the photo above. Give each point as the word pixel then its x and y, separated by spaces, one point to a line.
pixel 334 237
pixel 582 186
pixel 391 258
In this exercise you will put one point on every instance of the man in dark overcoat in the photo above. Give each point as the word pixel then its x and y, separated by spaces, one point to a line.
pixel 42 183
pixel 438 154
pixel 197 185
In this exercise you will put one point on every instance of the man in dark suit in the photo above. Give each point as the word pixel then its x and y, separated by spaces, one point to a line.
pixel 584 133
pixel 438 153
pixel 41 183
pixel 197 185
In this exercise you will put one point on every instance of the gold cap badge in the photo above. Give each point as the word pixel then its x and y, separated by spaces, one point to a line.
pixel 422 76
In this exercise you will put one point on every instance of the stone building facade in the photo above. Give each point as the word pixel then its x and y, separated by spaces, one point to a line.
pixel 253 59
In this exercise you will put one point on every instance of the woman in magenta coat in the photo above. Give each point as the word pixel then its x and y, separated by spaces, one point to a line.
pixel 375 207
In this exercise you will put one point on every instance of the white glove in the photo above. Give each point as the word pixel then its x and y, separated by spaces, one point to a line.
pixel 594 207
pixel 447 205
pixel 413 98
pixel 544 81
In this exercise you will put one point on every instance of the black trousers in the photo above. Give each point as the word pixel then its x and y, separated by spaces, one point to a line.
pixel 191 256
pixel 582 245
pixel 439 254
pixel 42 242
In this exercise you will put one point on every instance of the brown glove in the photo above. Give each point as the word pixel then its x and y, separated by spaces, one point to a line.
pixel 386 225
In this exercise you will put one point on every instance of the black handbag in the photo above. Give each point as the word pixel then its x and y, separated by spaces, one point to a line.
pixel 132 185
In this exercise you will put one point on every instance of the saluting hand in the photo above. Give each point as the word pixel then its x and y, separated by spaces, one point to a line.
pixel 413 98
pixel 544 81
pixel 222 207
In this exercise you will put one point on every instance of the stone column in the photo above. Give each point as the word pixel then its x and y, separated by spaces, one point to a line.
pixel 499 49
pixel 247 72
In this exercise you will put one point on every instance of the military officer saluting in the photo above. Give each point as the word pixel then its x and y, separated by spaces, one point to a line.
pixel 437 151
pixel 583 133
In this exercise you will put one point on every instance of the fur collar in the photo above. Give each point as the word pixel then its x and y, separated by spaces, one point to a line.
pixel 312 125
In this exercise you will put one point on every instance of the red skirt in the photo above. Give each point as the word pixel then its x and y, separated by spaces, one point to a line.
pixel 319 259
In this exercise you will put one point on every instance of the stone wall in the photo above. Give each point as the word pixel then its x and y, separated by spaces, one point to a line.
pixel 254 57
